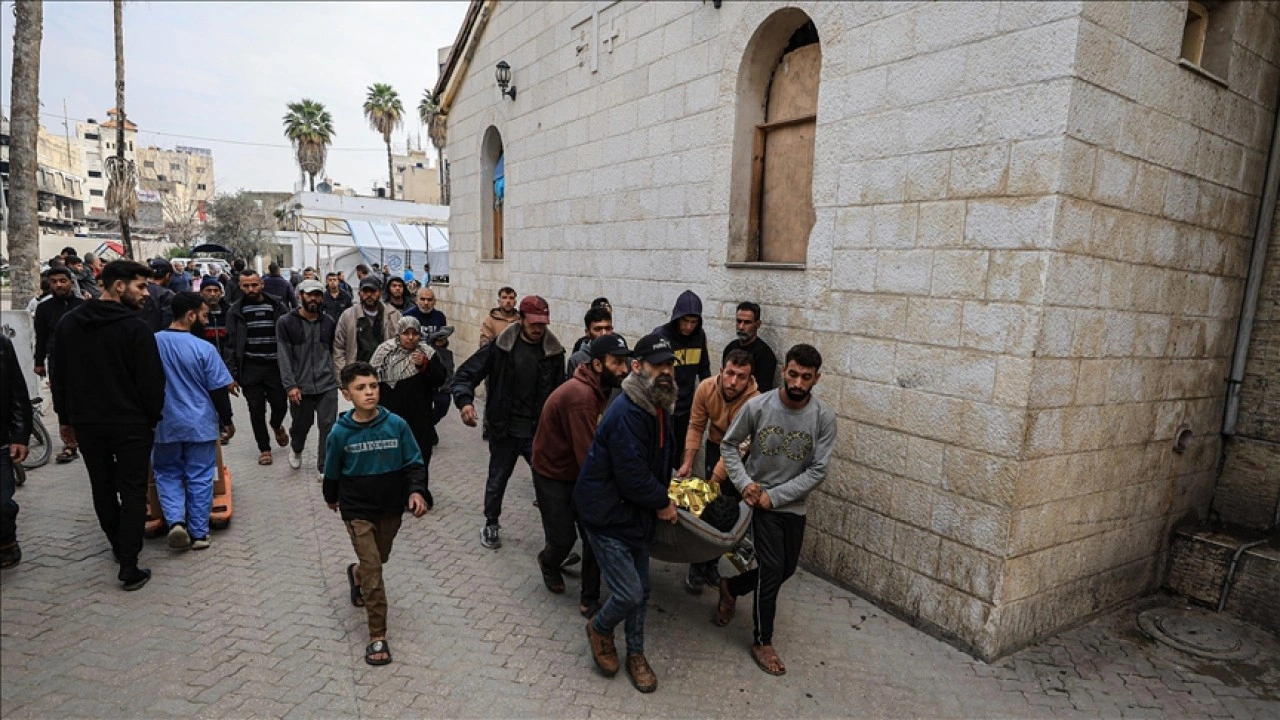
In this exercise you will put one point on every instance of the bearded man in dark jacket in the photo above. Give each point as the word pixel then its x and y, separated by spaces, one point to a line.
pixel 520 368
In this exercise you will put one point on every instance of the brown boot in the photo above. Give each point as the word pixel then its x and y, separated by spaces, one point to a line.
pixel 603 651
pixel 642 677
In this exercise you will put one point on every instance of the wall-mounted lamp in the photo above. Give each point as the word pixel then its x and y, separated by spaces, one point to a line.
pixel 504 79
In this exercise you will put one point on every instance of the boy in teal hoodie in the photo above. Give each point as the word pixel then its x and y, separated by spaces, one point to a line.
pixel 372 467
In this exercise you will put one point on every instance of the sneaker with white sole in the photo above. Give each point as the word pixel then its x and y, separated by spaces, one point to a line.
pixel 178 537
pixel 490 538
pixel 200 543
pixel 295 459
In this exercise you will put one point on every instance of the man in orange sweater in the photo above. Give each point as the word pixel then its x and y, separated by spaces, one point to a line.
pixel 716 403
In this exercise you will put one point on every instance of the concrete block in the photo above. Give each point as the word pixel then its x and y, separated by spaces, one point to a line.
pixel 916 549
pixel 1053 382
pixel 894 226
pixel 968 570
pixel 1113 179
pixel 912 502
pixel 853 270
pixel 853 227
pixel 970 522
pixel 1016 276
pixel 935 322
pixel 1076 174
pixel 924 460
pixel 1034 166
pixel 927 177
pixel 1057 327
pixel 1010 223
pixel 1013 381
pixel 940 224
pixel 926 78
pixel 904 272
pixel 998 327
pixel 993 429
pixel 978 171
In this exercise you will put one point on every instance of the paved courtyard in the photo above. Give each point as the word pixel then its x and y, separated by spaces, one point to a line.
pixel 260 626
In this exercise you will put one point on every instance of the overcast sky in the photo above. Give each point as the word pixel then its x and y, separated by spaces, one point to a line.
pixel 223 71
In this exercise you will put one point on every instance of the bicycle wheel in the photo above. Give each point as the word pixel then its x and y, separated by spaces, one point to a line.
pixel 39 450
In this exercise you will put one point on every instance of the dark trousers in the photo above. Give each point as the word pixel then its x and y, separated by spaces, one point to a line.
pixel 560 528
pixel 625 570
pixel 322 408
pixel 710 569
pixel 680 423
pixel 8 506
pixel 440 403
pixel 504 452
pixel 262 387
pixel 117 458
pixel 778 537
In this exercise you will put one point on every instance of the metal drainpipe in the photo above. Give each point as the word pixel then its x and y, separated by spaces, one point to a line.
pixel 1231 572
pixel 1253 285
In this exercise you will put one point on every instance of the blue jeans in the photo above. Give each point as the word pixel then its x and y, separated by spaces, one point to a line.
pixel 184 482
pixel 625 570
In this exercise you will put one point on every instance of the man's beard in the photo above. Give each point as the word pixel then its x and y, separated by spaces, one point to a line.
pixel 311 306
pixel 131 302
pixel 797 394
pixel 609 380
pixel 370 304
pixel 724 394
pixel 660 389
pixel 197 329
pixel 253 298
pixel 744 336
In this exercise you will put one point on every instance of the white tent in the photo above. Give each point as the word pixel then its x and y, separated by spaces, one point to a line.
pixel 336 233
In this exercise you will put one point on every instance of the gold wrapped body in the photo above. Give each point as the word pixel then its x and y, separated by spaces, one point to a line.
pixel 692 494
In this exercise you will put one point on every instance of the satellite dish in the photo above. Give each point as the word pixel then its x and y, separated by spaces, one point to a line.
pixel 324 187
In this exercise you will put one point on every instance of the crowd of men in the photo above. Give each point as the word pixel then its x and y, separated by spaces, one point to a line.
pixel 603 425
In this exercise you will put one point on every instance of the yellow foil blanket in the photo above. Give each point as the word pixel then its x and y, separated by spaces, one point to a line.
pixel 693 494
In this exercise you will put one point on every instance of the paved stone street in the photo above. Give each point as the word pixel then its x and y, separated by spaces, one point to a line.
pixel 260 626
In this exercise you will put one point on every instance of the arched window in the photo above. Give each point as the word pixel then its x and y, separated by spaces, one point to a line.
pixel 771 201
pixel 493 191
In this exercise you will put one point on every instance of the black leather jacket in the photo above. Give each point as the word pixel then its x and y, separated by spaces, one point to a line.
pixel 15 403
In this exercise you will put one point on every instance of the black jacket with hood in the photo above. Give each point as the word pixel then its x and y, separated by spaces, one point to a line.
pixel 48 313
pixel 693 365
pixel 120 382
pixel 15 402
pixel 493 363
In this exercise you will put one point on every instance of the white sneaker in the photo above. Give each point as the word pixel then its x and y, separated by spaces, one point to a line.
pixel 179 539
pixel 295 459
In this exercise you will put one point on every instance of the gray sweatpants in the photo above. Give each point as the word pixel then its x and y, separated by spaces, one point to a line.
pixel 321 408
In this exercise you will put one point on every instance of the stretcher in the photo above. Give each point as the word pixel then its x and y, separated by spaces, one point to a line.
pixel 219 517
pixel 691 540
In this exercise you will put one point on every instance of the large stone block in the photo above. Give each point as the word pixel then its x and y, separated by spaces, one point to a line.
pixel 1010 223
pixel 959 274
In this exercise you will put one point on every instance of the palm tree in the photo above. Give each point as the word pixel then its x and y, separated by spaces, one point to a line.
pixel 429 113
pixel 24 103
pixel 310 128
pixel 385 113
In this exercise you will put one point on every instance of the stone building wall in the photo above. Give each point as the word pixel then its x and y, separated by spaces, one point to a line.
pixel 1015 302
pixel 1161 171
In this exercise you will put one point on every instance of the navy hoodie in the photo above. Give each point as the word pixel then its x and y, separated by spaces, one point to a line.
pixel 693 364
pixel 623 482
pixel 371 469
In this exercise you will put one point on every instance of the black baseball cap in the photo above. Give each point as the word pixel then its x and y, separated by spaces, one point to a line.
pixel 654 349
pixel 160 267
pixel 371 283
pixel 609 345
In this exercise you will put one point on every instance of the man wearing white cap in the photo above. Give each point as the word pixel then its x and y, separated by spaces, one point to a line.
pixel 304 337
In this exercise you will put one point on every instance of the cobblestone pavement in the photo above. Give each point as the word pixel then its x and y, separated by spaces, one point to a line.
pixel 260 626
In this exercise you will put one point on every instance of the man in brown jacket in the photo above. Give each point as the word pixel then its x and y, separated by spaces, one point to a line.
pixel 716 403
pixel 565 431
pixel 500 317
pixel 363 326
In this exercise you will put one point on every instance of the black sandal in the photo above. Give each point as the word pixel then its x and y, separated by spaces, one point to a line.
pixel 66 455
pixel 374 648
pixel 357 596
